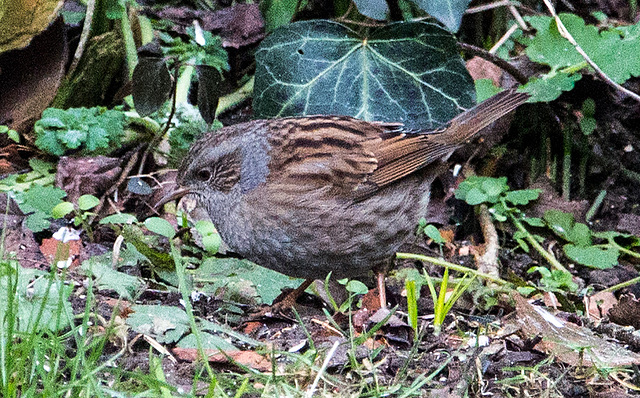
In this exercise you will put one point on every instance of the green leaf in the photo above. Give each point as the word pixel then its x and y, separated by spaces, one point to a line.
pixel 164 323
pixel 433 233
pixel 549 87
pixel 42 198
pixel 120 218
pixel 241 279
pixel 475 196
pixel 475 190
pixel 86 202
pixel 277 13
pixel 614 50
pixel 485 89
pixel 99 267
pixel 564 225
pixel 209 341
pixel 534 221
pixel 522 197
pixel 151 85
pixel 209 79
pixel 62 209
pixel 356 287
pixel 449 12
pixel 160 226
pixel 210 238
pixel 374 9
pixel 89 130
pixel 404 72
pixel 593 256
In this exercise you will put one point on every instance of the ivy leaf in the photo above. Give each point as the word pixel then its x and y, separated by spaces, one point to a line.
pixel 409 72
pixel 374 9
pixel 449 12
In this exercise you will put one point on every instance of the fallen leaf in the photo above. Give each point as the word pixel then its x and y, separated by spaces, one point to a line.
pixel 570 343
pixel 246 358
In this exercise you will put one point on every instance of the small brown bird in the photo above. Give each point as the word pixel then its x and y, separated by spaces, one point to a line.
pixel 311 195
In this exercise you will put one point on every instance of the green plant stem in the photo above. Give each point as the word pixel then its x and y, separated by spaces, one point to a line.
pixel 182 283
pixel 183 84
pixel 630 174
pixel 595 206
pixel 129 44
pixel 455 267
pixel 536 245
pixel 566 164
pixel 624 250
pixel 582 171
pixel 232 100
pixel 146 29
pixel 619 286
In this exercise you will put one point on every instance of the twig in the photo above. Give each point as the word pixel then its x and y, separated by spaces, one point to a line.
pixel 565 33
pixel 488 262
pixel 123 176
pixel 84 36
pixel 501 63
pixel 311 391
pixel 503 39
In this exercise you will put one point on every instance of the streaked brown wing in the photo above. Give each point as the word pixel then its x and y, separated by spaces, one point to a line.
pixel 330 153
pixel 350 158
pixel 399 155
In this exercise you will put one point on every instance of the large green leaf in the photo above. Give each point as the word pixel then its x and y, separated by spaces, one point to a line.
pixel 409 72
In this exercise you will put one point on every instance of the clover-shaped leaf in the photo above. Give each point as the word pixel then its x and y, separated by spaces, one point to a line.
pixel 409 72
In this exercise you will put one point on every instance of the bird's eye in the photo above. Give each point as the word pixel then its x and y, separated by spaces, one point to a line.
pixel 203 175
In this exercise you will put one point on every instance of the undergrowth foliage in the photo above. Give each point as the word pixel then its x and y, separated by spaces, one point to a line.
pixel 57 339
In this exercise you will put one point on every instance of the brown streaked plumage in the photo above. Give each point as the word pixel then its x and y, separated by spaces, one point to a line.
pixel 312 195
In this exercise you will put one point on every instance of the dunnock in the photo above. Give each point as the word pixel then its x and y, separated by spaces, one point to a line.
pixel 311 195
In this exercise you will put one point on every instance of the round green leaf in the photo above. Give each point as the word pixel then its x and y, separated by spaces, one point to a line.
pixel 210 238
pixel 62 209
pixel 120 218
pixel 86 202
pixel 593 256
pixel 409 72
pixel 160 226
pixel 356 287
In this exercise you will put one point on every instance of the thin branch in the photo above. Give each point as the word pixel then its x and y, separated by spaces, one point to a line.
pixel 482 53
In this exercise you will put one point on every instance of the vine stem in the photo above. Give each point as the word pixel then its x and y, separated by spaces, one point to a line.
pixel 536 245
pixel 455 267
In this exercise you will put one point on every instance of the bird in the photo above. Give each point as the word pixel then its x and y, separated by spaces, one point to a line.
pixel 312 195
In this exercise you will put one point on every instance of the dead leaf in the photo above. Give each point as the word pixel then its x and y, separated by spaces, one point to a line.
pixel 570 343
pixel 600 304
pixel 238 25
pixel 626 312
pixel 87 175
pixel 61 254
pixel 246 358
pixel 480 68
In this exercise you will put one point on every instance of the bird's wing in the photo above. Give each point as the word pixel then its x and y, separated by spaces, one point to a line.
pixel 400 154
pixel 331 154
pixel 350 158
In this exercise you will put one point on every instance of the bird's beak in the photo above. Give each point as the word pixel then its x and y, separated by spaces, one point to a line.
pixel 173 195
